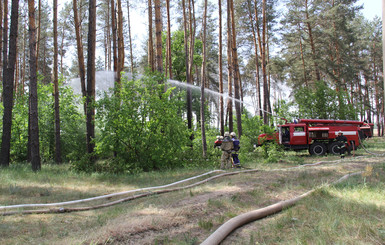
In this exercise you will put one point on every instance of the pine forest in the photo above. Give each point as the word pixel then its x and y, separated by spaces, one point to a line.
pixel 80 86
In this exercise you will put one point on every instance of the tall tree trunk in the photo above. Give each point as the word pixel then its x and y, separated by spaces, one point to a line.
pixel 16 78
pixel 302 58
pixel 168 59
pixel 192 28
pixel 24 61
pixel 129 36
pixel 262 113
pixel 158 35
pixel 5 37
pixel 203 78
pixel 56 87
pixel 187 61
pixel 79 44
pixel 91 77
pixel 150 41
pixel 120 42
pixel 38 36
pixel 237 78
pixel 1 38
pixel 268 72
pixel 221 106
pixel 8 79
pixel 114 39
pixel 377 93
pixel 257 83
pixel 34 119
pixel 108 32
pixel 264 64
pixel 367 106
pixel 230 70
pixel 62 48
pixel 310 32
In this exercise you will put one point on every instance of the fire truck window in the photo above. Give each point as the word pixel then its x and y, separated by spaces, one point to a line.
pixel 298 129
pixel 285 134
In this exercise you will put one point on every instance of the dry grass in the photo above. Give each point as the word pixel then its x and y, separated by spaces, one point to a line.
pixel 349 213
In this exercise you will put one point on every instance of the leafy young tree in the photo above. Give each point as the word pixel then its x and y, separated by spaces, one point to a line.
pixel 72 126
pixel 147 128
pixel 321 103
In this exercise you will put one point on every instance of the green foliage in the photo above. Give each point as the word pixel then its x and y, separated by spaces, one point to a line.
pixel 72 125
pixel 271 152
pixel 194 155
pixel 179 56
pixel 19 136
pixel 252 127
pixel 323 102
pixel 140 126
pixel 283 109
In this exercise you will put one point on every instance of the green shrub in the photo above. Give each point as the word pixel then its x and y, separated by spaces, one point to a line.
pixel 141 127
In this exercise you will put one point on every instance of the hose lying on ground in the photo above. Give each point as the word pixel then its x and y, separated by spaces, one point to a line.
pixel 224 230
pixel 372 153
pixel 57 209
pixel 66 210
pixel 104 196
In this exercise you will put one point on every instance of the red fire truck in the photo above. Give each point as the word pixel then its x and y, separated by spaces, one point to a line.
pixel 316 135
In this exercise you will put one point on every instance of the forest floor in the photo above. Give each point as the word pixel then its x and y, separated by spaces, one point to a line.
pixel 348 213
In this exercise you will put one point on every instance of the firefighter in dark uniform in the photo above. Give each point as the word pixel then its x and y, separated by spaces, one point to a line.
pixel 342 141
pixel 234 153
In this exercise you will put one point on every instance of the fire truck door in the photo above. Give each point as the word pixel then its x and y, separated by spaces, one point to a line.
pixel 285 135
pixel 299 135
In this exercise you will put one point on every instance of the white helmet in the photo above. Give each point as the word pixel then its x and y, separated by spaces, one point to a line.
pixel 226 134
pixel 233 134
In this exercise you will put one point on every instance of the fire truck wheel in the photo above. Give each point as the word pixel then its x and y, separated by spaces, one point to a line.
pixel 334 149
pixel 318 149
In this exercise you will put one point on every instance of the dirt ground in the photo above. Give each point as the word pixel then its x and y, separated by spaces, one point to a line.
pixel 190 216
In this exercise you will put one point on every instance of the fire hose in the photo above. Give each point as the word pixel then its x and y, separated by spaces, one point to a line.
pixel 58 207
pixel 224 230
pixel 66 210
pixel 7 210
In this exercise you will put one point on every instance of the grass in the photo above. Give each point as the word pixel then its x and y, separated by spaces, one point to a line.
pixel 348 213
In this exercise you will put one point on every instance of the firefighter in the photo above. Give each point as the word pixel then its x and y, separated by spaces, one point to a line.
pixel 226 147
pixel 234 153
pixel 218 142
pixel 342 140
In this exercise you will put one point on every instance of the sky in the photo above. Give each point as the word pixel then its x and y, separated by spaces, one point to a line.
pixel 372 8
